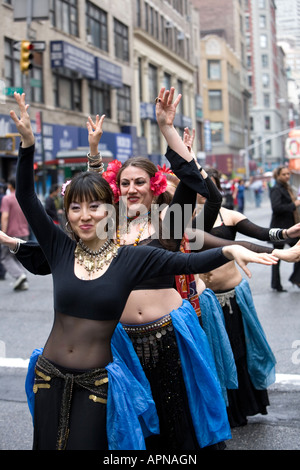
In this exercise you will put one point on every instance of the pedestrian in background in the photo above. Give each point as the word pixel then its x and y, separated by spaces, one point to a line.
pixel 2 268
pixel 285 213
pixel 241 196
pixel 14 224
pixel 50 203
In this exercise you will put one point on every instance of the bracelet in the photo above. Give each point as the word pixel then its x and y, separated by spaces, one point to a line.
pixel 276 234
pixel 94 158
pixel 15 250
pixel 95 163
pixel 96 168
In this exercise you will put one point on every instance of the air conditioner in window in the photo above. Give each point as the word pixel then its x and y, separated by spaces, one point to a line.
pixel 180 36
pixel 169 24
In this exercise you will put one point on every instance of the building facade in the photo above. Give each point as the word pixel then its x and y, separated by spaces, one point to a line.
pixel 222 22
pixel 268 83
pixel 100 57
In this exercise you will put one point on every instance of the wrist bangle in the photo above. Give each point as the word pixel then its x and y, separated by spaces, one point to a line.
pixel 276 234
pixel 286 233
pixel 94 158
pixel 15 250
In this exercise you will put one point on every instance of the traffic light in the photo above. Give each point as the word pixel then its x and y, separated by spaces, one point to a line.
pixel 26 56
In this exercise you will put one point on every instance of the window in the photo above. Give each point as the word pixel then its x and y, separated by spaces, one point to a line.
pixel 217 132
pixel 265 60
pixel 267 123
pixel 167 81
pixel 262 21
pixel 13 76
pixel 263 41
pixel 67 90
pixel 152 83
pixel 155 138
pixel 265 80
pixel 180 91
pixel 124 104
pixel 266 100
pixel 121 40
pixel 138 13
pixel 262 3
pixel 215 100
pixel 64 15
pixel 96 26
pixel 214 70
pixel 99 94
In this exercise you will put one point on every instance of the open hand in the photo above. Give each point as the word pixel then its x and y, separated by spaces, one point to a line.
pixel 188 138
pixel 242 256
pixel 290 255
pixel 95 131
pixel 165 108
pixel 23 123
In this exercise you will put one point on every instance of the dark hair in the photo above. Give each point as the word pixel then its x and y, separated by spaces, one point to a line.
pixel 53 188
pixel 213 173
pixel 88 187
pixel 278 170
pixel 149 167
pixel 12 182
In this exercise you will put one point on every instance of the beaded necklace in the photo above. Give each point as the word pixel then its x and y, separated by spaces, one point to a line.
pixel 139 235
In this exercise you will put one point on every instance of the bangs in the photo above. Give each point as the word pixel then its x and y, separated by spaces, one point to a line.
pixel 87 187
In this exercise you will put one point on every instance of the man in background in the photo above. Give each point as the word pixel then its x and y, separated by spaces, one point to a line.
pixel 14 223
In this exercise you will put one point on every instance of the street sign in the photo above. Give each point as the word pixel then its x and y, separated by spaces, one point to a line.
pixel 9 91
pixel 38 46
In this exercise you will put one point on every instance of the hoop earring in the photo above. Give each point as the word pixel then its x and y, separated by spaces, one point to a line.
pixel 68 229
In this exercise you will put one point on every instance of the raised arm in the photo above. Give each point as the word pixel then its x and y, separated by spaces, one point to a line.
pixel 34 211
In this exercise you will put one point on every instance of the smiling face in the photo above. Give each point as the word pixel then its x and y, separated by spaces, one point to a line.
pixel 135 186
pixel 87 200
pixel 84 217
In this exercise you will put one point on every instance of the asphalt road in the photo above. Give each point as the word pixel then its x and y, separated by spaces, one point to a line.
pixel 26 319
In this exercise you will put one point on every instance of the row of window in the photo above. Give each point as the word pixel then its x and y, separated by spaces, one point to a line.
pixel 64 16
pixel 67 86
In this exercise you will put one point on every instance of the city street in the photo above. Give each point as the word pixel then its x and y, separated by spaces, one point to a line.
pixel 26 319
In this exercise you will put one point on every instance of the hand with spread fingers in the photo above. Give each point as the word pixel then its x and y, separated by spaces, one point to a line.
pixel 95 132
pixel 23 123
pixel 165 108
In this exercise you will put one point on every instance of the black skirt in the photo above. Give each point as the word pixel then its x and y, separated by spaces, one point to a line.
pixel 246 400
pixel 156 347
pixel 70 410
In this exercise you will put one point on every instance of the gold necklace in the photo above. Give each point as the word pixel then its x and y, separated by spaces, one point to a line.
pixel 94 261
pixel 139 235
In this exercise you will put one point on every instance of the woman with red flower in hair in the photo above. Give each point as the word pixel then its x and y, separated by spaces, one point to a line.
pixel 157 326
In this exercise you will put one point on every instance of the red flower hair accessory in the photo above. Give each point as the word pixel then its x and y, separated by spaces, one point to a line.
pixel 110 175
pixel 158 183
pixel 164 169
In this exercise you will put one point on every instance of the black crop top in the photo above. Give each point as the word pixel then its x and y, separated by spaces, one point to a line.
pixel 32 258
pixel 98 299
